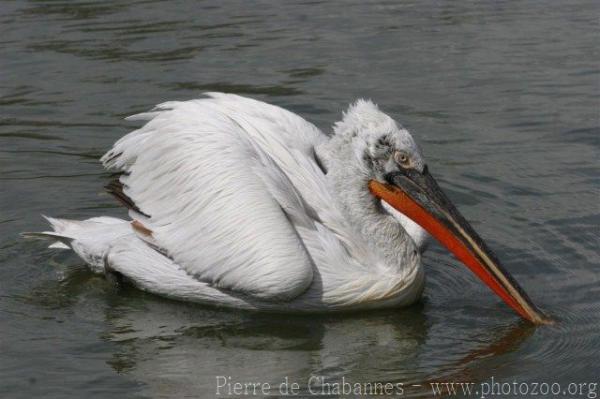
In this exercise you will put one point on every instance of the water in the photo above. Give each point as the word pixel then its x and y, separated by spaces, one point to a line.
pixel 503 97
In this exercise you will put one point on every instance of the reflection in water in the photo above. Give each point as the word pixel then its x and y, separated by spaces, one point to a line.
pixel 179 348
pixel 170 346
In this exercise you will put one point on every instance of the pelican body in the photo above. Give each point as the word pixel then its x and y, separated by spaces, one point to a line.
pixel 237 203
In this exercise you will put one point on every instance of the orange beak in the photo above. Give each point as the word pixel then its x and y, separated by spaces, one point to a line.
pixel 418 196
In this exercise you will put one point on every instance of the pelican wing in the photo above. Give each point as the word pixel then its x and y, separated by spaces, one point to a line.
pixel 211 183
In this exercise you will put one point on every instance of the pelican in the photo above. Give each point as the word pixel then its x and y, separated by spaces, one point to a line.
pixel 238 203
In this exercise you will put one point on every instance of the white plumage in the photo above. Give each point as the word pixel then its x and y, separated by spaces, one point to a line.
pixel 243 204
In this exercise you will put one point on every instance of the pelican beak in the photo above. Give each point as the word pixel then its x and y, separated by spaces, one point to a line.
pixel 418 196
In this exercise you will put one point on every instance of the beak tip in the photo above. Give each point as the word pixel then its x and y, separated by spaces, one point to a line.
pixel 543 320
pixel 439 217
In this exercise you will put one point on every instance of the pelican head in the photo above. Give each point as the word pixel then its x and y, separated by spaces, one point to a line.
pixel 376 165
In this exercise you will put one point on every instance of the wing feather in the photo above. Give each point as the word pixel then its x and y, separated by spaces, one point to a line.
pixel 193 170
pixel 231 190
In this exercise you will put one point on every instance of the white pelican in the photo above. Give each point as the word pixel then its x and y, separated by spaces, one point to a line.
pixel 238 203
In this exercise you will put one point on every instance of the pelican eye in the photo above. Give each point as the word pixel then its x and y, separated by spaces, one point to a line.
pixel 401 158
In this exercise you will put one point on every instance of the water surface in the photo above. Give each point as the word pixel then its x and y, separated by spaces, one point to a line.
pixel 503 97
